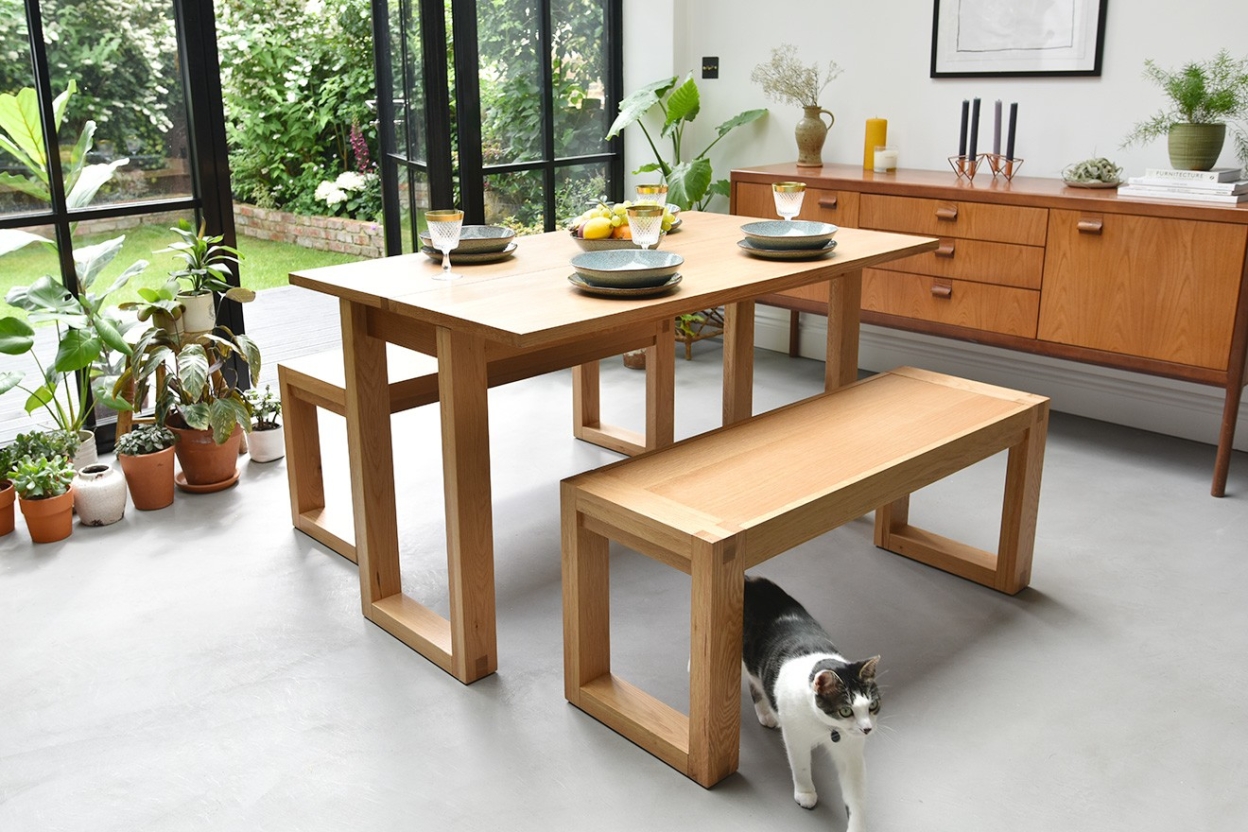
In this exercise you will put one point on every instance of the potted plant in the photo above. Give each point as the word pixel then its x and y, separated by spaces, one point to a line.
pixel 266 442
pixel 146 457
pixel 7 494
pixel 786 79
pixel 46 496
pixel 85 332
pixel 689 184
pixel 205 270
pixel 1204 97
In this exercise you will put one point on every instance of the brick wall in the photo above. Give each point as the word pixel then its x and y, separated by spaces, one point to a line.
pixel 359 239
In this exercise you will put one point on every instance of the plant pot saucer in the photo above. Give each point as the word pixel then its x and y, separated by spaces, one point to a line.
pixel 179 480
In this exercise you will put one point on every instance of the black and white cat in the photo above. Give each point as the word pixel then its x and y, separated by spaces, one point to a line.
pixel 800 682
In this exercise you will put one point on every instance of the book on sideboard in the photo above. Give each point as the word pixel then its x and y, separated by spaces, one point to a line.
pixel 1139 192
pixel 1215 175
pixel 1237 187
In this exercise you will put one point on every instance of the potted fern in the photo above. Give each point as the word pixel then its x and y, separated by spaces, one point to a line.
pixel 1205 97
pixel 266 442
pixel 146 457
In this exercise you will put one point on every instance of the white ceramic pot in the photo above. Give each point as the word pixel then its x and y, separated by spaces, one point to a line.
pixel 99 495
pixel 199 315
pixel 267 445
pixel 87 453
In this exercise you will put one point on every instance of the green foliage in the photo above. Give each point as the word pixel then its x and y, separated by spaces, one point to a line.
pixel 265 407
pixel 49 443
pixel 1213 91
pixel 206 262
pixel 145 439
pixel 37 478
pixel 296 77
pixel 85 331
pixel 690 182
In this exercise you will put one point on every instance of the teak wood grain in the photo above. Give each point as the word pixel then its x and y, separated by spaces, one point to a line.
pixel 518 318
pixel 1148 286
pixel 718 504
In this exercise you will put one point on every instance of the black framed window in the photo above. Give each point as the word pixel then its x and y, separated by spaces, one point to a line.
pixel 500 108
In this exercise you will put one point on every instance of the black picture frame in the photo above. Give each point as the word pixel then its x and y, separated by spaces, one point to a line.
pixel 995 38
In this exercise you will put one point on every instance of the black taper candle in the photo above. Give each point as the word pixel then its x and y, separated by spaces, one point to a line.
pixel 962 140
pixel 1009 139
pixel 970 153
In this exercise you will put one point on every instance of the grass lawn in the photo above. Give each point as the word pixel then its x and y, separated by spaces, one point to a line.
pixel 265 264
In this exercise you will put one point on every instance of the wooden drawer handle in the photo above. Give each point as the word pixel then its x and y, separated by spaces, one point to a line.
pixel 947 213
pixel 942 290
pixel 827 201
pixel 1089 226
pixel 945 250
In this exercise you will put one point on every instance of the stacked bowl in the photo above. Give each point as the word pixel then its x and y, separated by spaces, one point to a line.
pixel 477 244
pixel 788 239
pixel 626 272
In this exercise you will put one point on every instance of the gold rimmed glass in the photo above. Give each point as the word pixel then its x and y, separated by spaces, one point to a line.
pixel 444 228
pixel 788 198
pixel 645 221
pixel 652 193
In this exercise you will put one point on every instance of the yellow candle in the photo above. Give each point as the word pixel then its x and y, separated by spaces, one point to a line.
pixel 877 136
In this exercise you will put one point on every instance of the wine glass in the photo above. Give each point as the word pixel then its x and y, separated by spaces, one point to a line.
pixel 444 227
pixel 645 221
pixel 788 198
pixel 656 193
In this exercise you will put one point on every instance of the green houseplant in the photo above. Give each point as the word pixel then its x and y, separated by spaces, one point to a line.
pixel 205 269
pixel 7 493
pixel 145 454
pixel 691 184
pixel 267 442
pixel 43 490
pixel 1205 97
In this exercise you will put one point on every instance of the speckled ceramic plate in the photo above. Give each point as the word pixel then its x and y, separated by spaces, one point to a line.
pixel 626 269
pixel 787 234
pixel 1095 183
pixel 786 253
pixel 467 259
pixel 474 239
pixel 617 292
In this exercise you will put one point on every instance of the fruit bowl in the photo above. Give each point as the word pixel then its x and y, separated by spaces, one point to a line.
pixel 610 243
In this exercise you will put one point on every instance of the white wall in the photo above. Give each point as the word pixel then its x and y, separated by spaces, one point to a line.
pixel 884 50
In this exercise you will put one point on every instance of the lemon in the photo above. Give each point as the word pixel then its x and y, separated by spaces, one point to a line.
pixel 596 229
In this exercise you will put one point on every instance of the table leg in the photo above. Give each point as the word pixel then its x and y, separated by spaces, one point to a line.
pixel 844 302
pixel 462 385
pixel 369 445
pixel 738 361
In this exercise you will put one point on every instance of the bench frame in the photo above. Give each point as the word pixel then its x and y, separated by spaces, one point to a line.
pixel 598 507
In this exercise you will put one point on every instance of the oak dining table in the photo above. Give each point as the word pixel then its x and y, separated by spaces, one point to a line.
pixel 521 317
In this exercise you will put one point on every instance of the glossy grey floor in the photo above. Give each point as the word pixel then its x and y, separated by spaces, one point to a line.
pixel 206 667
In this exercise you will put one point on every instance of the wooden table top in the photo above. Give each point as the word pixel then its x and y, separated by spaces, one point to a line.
pixel 527 300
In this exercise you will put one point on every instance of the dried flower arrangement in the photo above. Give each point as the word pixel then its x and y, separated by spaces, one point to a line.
pixel 786 79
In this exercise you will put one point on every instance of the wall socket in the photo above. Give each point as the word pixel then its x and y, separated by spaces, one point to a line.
pixel 710 67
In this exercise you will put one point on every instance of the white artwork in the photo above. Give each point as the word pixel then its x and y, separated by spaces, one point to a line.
pixel 1017 37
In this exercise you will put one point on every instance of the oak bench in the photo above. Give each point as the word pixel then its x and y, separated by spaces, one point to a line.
pixel 718 504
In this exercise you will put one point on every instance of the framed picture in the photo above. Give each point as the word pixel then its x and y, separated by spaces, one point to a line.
pixel 1017 37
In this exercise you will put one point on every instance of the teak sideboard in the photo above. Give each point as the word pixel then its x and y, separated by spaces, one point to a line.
pixel 1033 265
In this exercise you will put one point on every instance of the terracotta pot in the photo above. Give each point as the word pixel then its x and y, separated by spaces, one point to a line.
pixel 50 519
pixel 266 445
pixel 7 496
pixel 99 495
pixel 150 478
pixel 206 466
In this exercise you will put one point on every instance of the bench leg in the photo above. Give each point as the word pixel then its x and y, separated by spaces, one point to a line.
pixel 1009 570
pixel 715 660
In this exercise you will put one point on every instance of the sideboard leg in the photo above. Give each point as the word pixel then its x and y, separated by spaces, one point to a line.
pixel 1226 439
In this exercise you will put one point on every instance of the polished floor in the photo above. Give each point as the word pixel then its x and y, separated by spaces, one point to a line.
pixel 206 667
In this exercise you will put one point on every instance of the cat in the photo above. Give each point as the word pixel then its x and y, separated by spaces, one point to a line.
pixel 800 682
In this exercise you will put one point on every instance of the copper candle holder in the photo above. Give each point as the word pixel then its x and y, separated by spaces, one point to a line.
pixel 966 165
pixel 1003 166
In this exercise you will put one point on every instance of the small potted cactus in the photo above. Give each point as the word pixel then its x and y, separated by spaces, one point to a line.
pixel 146 457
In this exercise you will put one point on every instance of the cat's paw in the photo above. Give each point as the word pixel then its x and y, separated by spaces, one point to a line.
pixel 806 800
pixel 767 718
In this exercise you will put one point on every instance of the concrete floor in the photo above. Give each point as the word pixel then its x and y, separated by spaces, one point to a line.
pixel 206 667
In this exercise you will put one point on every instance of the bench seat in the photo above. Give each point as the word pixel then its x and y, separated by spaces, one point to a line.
pixel 723 502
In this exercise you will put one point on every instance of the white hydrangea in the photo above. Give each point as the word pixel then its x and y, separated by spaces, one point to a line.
pixel 350 181
pixel 330 194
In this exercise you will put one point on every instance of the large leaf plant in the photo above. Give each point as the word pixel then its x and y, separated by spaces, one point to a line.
pixel 690 184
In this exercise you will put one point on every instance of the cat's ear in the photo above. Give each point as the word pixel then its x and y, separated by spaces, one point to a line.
pixel 868 668
pixel 827 683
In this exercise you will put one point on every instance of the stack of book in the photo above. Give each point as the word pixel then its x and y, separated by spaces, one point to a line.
pixel 1220 186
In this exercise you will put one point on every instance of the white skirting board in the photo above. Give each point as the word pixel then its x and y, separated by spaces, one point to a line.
pixel 1175 408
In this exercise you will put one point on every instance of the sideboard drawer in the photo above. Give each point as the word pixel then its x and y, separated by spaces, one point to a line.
pixel 941 218
pixel 754 199
pixel 1003 264
pixel 980 306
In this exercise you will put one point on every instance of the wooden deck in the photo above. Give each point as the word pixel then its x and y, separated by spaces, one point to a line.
pixel 286 322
